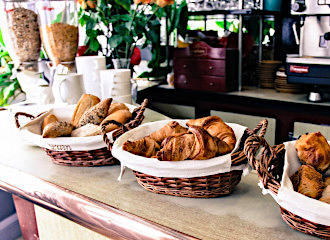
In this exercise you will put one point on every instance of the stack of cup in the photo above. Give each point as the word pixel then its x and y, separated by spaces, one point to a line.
pixel 116 83
pixel 89 67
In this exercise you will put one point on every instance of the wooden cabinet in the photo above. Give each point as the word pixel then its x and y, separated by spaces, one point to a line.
pixel 201 67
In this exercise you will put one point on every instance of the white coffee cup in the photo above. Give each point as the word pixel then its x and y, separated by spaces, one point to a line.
pixel 123 99
pixel 89 67
pixel 115 82
pixel 68 88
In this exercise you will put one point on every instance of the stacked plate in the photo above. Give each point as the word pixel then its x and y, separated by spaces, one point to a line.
pixel 282 85
pixel 266 73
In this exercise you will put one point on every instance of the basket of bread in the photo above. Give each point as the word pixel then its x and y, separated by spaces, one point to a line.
pixel 81 135
pixel 198 158
pixel 296 174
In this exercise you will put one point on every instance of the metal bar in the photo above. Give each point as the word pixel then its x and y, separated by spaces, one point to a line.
pixel 240 47
pixel 261 34
pixel 205 20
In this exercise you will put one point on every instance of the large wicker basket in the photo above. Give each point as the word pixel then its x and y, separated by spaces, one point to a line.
pixel 97 157
pixel 269 168
pixel 202 187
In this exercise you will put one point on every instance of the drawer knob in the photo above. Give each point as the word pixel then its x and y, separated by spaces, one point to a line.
pixel 185 81
pixel 211 84
pixel 210 67
pixel 184 66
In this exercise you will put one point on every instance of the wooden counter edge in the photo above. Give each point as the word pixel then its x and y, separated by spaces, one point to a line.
pixel 92 214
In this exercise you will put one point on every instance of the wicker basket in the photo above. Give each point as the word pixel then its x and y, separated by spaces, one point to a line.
pixel 270 169
pixel 97 157
pixel 202 187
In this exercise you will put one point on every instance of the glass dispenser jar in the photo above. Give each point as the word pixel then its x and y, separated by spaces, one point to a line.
pixel 20 30
pixel 59 30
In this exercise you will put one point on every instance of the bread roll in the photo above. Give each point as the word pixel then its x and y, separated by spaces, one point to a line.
pixel 326 195
pixel 310 182
pixel 95 114
pixel 117 106
pixel 47 120
pixel 327 181
pixel 57 129
pixel 87 131
pixel 85 102
pixel 313 149
pixel 121 116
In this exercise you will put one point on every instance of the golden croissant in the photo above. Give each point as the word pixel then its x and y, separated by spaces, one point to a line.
pixel 196 144
pixel 216 128
pixel 149 145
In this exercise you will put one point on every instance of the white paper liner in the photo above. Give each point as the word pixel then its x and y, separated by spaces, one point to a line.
pixel 177 169
pixel 297 203
pixel 31 133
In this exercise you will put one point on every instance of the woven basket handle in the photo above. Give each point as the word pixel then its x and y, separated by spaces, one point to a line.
pixel 137 118
pixel 265 166
pixel 261 127
pixel 18 114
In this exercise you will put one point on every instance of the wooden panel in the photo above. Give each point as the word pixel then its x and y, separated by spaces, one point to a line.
pixel 213 67
pixel 300 128
pixel 27 219
pixel 54 227
pixel 249 121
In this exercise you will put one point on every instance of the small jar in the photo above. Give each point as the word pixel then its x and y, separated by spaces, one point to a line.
pixel 59 30
pixel 21 32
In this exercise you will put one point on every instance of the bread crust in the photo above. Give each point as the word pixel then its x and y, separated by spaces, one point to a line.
pixel 47 120
pixel 57 129
pixel 85 102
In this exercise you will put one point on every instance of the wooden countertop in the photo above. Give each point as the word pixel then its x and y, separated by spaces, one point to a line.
pixel 94 198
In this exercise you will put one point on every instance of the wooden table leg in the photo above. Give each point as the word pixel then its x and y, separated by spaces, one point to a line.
pixel 27 218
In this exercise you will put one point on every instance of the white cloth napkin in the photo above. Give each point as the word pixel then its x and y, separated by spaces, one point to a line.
pixel 179 169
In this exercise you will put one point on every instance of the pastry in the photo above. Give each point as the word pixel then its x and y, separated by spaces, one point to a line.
pixel 295 181
pixel 313 149
pixel 310 182
pixel 216 128
pixel 168 130
pixel 57 129
pixel 196 144
pixel 326 195
pixel 87 131
pixel 121 116
pixel 146 147
pixel 95 114
pixel 327 181
pixel 85 102
pixel 47 120
pixel 117 106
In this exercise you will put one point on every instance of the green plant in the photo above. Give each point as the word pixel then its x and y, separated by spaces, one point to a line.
pixel 124 25
pixel 9 86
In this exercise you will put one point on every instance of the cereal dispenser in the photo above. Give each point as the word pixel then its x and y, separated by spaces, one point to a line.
pixel 59 30
pixel 20 30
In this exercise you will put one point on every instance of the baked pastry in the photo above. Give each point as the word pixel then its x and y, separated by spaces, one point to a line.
pixel 146 147
pixel 85 102
pixel 87 131
pixel 47 120
pixel 57 129
pixel 196 144
pixel 96 114
pixel 327 181
pixel 216 128
pixel 313 149
pixel 117 106
pixel 168 130
pixel 121 116
pixel 150 145
pixel 326 195
pixel 310 182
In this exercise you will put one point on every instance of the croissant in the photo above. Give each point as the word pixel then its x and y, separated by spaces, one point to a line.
pixel 216 128
pixel 314 150
pixel 146 147
pixel 197 144
pixel 149 145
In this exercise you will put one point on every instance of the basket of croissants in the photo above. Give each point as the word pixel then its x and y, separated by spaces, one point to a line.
pixel 81 135
pixel 297 176
pixel 198 158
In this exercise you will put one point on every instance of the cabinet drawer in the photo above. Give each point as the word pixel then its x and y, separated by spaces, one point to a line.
pixel 186 81
pixel 214 84
pixel 213 67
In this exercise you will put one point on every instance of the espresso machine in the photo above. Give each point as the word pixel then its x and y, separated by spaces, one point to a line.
pixel 312 65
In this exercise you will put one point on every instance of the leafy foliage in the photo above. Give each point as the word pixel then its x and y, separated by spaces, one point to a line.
pixel 8 86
